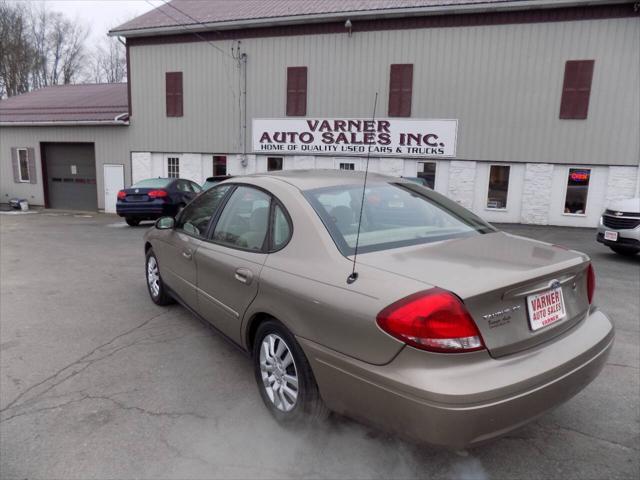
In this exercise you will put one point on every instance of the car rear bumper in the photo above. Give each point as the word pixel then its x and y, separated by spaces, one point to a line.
pixel 461 400
pixel 149 210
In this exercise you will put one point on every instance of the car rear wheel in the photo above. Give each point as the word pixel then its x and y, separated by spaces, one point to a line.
pixel 626 251
pixel 285 380
pixel 132 222
pixel 157 291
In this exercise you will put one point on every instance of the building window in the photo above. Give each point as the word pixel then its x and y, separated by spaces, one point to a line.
pixel 427 171
pixel 576 89
pixel 219 165
pixel 274 163
pixel 498 186
pixel 174 94
pixel 400 90
pixel 23 165
pixel 577 190
pixel 347 166
pixel 296 91
pixel 173 167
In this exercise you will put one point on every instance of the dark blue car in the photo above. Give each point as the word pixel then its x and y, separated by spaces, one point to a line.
pixel 154 198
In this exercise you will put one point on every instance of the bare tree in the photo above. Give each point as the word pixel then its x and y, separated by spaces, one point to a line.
pixel 16 52
pixel 59 45
pixel 109 62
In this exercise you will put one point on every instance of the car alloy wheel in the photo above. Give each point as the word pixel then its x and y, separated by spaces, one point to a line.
pixel 279 373
pixel 153 277
pixel 157 290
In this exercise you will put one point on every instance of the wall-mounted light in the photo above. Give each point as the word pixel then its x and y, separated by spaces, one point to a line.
pixel 348 26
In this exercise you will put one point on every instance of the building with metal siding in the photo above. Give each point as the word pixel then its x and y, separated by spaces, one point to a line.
pixel 498 67
pixel 499 73
pixel 77 131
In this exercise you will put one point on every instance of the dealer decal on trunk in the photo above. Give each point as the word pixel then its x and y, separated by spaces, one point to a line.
pixel 547 307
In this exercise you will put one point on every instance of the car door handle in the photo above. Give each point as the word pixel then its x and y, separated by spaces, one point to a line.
pixel 187 254
pixel 244 275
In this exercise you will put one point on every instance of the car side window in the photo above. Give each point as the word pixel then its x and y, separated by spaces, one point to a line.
pixel 245 220
pixel 183 186
pixel 281 228
pixel 195 217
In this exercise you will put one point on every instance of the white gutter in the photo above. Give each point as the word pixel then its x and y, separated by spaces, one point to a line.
pixel 507 5
pixel 66 123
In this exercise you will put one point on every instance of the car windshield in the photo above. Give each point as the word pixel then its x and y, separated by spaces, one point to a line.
pixel 210 183
pixel 152 183
pixel 394 215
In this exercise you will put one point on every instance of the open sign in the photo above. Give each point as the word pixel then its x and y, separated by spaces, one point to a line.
pixel 579 175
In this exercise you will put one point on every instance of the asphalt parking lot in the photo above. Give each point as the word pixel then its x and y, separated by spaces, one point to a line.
pixel 98 382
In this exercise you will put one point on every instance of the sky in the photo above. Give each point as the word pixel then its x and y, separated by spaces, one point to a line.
pixel 101 15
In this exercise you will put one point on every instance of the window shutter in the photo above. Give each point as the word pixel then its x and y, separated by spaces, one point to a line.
pixel 31 161
pixel 296 91
pixel 576 89
pixel 400 90
pixel 174 94
pixel 15 165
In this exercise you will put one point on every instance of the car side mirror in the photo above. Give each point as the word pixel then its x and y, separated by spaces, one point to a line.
pixel 165 223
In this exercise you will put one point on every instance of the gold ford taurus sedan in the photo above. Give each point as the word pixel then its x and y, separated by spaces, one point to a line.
pixel 449 331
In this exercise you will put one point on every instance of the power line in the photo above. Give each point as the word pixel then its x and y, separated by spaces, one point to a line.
pixel 208 42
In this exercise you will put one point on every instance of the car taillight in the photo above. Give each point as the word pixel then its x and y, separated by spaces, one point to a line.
pixel 591 283
pixel 122 194
pixel 157 193
pixel 434 320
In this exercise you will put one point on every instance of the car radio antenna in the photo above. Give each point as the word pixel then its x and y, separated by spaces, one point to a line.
pixel 354 275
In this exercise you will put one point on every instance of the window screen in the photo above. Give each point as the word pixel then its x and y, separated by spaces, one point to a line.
pixel 577 191
pixel 274 163
pixel 219 165
pixel 23 161
pixel 427 171
pixel 498 186
pixel 173 167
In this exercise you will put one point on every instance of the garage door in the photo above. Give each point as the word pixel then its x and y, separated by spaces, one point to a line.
pixel 71 176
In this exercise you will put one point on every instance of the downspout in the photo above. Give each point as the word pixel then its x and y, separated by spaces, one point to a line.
pixel 243 59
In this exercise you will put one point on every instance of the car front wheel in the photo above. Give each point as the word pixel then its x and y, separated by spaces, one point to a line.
pixel 285 380
pixel 157 290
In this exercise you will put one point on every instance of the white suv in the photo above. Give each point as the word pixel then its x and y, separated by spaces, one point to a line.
pixel 619 227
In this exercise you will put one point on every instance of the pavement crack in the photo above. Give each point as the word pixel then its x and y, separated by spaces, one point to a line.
pixel 595 437
pixel 83 363
pixel 107 398
pixel 622 365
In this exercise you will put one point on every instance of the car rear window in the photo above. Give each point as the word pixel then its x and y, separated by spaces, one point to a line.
pixel 394 215
pixel 153 183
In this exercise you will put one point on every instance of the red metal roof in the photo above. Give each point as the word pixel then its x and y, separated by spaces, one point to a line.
pixel 100 103
pixel 192 12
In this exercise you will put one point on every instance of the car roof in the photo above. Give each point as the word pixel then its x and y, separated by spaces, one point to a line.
pixel 318 178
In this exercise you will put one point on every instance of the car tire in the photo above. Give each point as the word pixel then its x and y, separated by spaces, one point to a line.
pixel 132 222
pixel 155 286
pixel 273 373
pixel 626 251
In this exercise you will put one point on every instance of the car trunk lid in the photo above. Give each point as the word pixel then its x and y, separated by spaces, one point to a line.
pixel 494 274
pixel 137 194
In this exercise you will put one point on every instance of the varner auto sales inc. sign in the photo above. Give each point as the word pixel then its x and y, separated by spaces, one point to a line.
pixel 355 136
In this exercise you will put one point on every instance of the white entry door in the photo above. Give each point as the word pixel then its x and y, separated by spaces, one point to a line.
pixel 113 183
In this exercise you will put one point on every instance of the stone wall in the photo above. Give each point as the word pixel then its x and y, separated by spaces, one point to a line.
pixel 536 193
